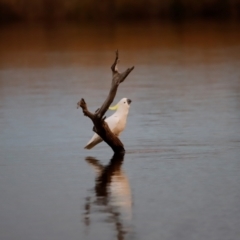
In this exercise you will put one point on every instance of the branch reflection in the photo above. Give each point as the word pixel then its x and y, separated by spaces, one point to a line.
pixel 112 195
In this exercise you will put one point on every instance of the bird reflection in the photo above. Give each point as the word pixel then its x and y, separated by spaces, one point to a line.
pixel 112 195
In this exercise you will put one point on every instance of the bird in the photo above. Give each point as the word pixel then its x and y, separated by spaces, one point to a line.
pixel 116 122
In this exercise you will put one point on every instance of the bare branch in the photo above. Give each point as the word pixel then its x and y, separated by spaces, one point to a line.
pixel 114 66
pixel 100 126
pixel 83 105
pixel 125 74
pixel 117 79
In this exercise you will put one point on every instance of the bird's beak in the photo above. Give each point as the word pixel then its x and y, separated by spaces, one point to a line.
pixel 114 107
pixel 129 101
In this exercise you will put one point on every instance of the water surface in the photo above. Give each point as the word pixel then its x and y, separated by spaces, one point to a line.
pixel 179 178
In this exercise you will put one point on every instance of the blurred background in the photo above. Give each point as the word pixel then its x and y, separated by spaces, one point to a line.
pixel 179 178
pixel 107 10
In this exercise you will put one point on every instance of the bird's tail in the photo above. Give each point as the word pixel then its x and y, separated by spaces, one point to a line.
pixel 93 143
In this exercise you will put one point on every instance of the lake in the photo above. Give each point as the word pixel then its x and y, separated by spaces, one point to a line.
pixel 180 176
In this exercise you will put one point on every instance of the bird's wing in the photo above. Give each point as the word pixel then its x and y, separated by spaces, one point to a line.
pixel 93 142
pixel 112 122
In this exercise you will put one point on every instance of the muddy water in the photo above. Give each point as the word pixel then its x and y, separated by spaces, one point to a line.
pixel 180 176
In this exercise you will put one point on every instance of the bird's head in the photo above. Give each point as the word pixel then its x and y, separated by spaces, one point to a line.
pixel 122 105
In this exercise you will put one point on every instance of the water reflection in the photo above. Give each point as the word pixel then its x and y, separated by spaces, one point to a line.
pixel 112 195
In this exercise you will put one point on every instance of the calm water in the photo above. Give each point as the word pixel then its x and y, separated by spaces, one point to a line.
pixel 180 176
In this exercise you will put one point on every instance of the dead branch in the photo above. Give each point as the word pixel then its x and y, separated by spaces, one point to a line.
pixel 100 126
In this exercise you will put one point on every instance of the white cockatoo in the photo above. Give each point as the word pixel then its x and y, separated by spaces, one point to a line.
pixel 116 122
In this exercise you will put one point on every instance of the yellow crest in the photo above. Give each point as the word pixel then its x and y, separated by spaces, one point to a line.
pixel 114 107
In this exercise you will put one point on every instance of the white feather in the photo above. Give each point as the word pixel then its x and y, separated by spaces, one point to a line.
pixel 116 122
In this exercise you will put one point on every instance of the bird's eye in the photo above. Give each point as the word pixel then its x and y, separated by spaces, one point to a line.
pixel 124 102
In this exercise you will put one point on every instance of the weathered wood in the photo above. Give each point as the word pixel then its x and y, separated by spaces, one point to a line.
pixel 100 126
pixel 116 80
